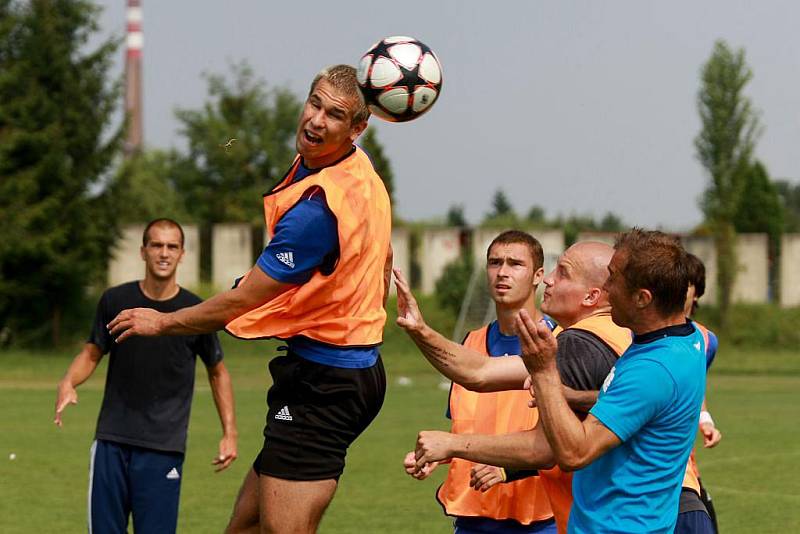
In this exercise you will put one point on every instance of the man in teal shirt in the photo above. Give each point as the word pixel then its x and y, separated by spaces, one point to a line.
pixel 630 453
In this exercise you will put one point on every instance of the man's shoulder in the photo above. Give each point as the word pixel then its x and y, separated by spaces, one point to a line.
pixel 122 292
pixel 584 338
pixel 186 298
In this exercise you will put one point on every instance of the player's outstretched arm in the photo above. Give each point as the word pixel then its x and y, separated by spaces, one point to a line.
pixel 256 289
pixel 518 450
pixel 574 443
pixel 78 372
pixel 221 388
pixel 466 367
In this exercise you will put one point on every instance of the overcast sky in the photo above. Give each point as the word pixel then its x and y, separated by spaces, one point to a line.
pixel 580 107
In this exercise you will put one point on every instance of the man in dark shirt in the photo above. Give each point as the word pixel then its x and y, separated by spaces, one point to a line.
pixel 140 441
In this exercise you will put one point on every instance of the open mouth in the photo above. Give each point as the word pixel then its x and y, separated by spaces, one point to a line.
pixel 312 138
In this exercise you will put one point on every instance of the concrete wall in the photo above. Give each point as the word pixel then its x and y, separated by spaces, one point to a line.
pixel 790 270
pixel 126 263
pixel 402 253
pixel 231 253
pixel 752 280
pixel 438 248
pixel 703 248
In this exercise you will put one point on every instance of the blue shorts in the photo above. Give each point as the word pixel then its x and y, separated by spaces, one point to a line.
pixel 694 522
pixel 126 480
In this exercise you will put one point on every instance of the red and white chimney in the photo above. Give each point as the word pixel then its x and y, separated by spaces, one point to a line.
pixel 133 77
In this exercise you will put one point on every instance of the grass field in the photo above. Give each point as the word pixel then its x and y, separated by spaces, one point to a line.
pixel 754 396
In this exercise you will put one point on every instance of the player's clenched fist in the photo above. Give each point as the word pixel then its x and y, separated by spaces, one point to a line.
pixel 410 465
pixel 433 446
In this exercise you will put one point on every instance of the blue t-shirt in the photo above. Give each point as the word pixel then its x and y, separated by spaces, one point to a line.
pixel 651 400
pixel 306 240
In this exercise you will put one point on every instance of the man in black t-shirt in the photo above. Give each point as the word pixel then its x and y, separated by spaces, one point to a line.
pixel 140 441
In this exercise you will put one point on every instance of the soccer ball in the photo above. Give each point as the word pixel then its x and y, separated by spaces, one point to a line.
pixel 400 78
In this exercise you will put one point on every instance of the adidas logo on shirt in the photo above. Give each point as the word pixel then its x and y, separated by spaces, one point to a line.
pixel 287 258
pixel 173 474
pixel 284 414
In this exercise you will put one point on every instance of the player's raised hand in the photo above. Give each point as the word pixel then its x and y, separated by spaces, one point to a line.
pixel 537 342
pixel 135 322
pixel 227 453
pixel 410 465
pixel 484 477
pixel 65 396
pixel 711 436
pixel 409 317
pixel 433 446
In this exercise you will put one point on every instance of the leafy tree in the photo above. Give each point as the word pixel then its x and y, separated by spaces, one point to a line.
pixel 760 210
pixel 724 147
pixel 455 216
pixel 790 200
pixel 239 144
pixel 144 188
pixel 536 216
pixel 611 223
pixel 451 287
pixel 501 205
pixel 369 141
pixel 56 106
pixel 502 214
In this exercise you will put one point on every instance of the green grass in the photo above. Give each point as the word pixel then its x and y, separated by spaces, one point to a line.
pixel 752 474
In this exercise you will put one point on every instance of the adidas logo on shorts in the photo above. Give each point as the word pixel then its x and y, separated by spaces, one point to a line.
pixel 287 258
pixel 173 474
pixel 284 414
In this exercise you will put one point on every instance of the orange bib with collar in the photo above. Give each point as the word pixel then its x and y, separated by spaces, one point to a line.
pixel 344 307
pixel 491 413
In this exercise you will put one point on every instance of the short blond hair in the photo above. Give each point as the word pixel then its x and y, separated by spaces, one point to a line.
pixel 343 78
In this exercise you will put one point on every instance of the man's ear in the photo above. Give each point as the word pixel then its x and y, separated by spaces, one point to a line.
pixel 592 296
pixel 357 129
pixel 643 298
pixel 141 253
pixel 538 276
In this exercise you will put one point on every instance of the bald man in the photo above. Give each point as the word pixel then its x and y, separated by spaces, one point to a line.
pixel 588 347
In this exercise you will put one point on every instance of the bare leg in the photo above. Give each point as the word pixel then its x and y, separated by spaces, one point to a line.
pixel 293 506
pixel 244 519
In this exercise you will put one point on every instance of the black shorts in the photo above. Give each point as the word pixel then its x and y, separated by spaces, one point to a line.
pixel 314 413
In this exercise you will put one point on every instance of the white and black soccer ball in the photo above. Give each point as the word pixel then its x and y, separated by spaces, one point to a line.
pixel 400 78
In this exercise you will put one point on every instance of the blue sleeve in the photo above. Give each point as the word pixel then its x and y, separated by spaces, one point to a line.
pixel 305 239
pixel 634 397
pixel 711 351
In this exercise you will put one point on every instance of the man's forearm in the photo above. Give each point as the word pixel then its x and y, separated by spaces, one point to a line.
pixel 520 450
pixel 208 316
pixel 82 367
pixel 565 432
pixel 467 367
pixel 222 391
